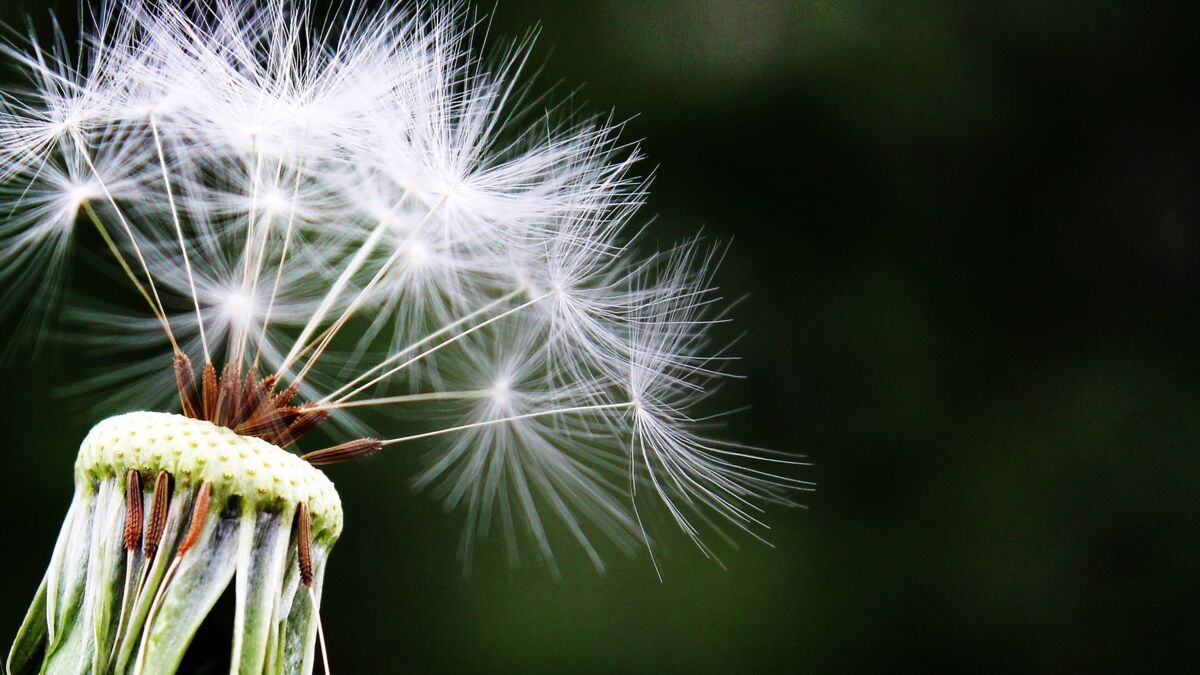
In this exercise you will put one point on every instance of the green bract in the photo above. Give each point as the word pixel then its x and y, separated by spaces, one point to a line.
pixel 90 614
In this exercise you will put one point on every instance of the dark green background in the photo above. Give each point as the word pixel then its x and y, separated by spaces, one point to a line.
pixel 970 237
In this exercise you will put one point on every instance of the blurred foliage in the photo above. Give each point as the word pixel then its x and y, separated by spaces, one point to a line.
pixel 969 237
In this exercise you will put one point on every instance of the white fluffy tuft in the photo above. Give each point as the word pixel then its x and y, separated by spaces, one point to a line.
pixel 365 205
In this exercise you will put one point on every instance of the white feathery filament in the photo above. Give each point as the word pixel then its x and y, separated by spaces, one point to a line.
pixel 368 209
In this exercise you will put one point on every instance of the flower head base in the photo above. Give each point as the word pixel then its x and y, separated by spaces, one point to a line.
pixel 262 475
pixel 168 512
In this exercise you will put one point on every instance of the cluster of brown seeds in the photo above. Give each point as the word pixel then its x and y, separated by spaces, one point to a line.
pixel 252 405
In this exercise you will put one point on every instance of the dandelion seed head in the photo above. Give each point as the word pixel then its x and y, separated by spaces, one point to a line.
pixel 369 210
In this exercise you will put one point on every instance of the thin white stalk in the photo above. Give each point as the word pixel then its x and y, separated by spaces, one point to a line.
pixel 239 338
pixel 187 265
pixel 252 291
pixel 432 336
pixel 445 343
pixel 633 440
pixel 361 297
pixel 287 242
pixel 368 246
pixel 156 305
pixel 137 284
pixel 312 596
pixel 409 398
pixel 515 418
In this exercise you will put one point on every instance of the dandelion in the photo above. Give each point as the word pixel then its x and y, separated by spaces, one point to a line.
pixel 346 224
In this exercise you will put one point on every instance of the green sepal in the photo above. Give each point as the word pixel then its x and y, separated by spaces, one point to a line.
pixel 132 633
pixel 262 559
pixel 201 577
pixel 106 563
pixel 69 648
pixel 31 638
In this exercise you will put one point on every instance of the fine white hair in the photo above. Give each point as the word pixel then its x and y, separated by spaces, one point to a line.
pixel 362 204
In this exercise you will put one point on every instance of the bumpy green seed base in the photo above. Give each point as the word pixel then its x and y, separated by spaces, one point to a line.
pixel 196 451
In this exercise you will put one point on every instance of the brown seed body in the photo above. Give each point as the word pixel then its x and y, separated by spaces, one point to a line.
pixel 158 515
pixel 352 450
pixel 133 509
pixel 304 544
pixel 203 498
